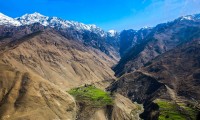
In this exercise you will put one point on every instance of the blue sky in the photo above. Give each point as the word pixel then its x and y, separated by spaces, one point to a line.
pixel 107 14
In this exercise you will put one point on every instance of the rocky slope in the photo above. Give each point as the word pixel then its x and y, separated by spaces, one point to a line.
pixel 122 109
pixel 38 64
pixel 28 96
pixel 172 76
pixel 102 108
pixel 145 44
pixel 55 58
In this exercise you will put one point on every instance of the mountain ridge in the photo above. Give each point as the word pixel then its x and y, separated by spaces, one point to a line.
pixel 36 17
pixel 139 47
pixel 90 35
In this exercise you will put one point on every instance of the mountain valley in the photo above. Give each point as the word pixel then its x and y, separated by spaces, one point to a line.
pixel 54 69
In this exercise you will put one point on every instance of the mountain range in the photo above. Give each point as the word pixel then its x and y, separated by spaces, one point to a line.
pixel 139 47
pixel 91 35
pixel 147 72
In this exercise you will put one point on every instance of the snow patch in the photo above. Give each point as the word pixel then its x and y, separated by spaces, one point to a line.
pixel 187 18
pixel 112 33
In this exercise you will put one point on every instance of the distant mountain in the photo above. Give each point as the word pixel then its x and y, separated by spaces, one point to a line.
pixel 55 22
pixel 130 38
pixel 90 35
pixel 173 77
pixel 139 47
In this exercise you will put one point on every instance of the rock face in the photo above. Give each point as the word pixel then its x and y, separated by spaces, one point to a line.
pixel 171 76
pixel 138 86
pixel 146 44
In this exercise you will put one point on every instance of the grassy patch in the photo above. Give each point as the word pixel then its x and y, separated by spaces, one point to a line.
pixel 92 96
pixel 170 111
pixel 192 112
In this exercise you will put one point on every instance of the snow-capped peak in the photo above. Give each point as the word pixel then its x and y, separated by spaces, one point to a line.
pixel 146 27
pixel 188 17
pixel 112 33
pixel 5 20
pixel 28 19
pixel 191 17
pixel 54 22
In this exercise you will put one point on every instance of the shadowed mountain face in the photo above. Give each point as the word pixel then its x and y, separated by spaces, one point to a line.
pixel 130 38
pixel 173 75
pixel 107 44
pixel 177 69
pixel 146 44
pixel 10 34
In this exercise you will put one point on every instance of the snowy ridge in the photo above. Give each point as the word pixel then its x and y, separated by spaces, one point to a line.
pixel 28 19
pixel 188 17
pixel 56 22
pixel 146 28
pixel 191 17
pixel 5 20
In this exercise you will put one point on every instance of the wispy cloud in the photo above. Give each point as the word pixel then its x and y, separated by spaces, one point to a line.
pixel 160 11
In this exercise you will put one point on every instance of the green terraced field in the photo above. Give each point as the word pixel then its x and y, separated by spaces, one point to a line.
pixel 92 96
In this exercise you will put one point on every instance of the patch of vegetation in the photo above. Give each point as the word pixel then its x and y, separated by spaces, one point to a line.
pixel 190 110
pixel 172 111
pixel 92 96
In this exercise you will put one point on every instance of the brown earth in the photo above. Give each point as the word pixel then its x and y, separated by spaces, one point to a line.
pixel 30 97
pixel 36 69
pixel 65 63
